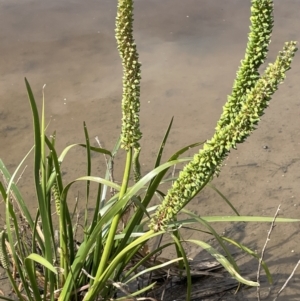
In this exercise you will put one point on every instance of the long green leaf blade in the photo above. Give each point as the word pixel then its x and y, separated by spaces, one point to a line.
pixel 41 260
pixel 225 263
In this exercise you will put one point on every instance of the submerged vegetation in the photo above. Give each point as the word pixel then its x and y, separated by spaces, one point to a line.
pixel 43 263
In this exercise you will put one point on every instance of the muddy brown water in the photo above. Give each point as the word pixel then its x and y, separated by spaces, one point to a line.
pixel 190 51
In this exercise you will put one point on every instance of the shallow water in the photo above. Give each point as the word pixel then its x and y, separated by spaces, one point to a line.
pixel 190 51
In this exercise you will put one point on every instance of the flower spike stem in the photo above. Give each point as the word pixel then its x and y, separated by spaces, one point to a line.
pixel 209 160
pixel 130 134
pixel 256 52
pixel 241 113
pixel 131 75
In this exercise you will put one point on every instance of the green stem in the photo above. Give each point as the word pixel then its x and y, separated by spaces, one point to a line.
pixel 115 222
pixel 100 282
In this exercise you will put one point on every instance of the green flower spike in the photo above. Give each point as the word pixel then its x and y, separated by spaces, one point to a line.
pixel 131 75
pixel 208 161
pixel 257 48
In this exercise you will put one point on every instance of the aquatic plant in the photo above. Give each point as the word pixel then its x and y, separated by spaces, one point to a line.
pixel 242 123
pixel 43 263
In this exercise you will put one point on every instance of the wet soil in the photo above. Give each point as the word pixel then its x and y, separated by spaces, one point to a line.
pixel 190 51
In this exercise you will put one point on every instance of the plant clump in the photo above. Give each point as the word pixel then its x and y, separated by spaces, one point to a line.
pixel 44 263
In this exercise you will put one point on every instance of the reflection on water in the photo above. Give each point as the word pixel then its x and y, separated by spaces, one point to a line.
pixel 189 50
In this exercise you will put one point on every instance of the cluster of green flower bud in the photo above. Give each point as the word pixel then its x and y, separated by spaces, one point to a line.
pixel 208 161
pixel 131 75
pixel 256 52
